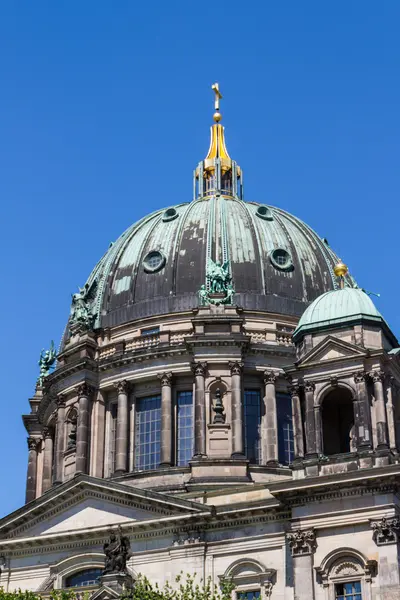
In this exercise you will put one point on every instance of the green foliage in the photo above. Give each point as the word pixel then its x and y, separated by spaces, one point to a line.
pixel 54 595
pixel 187 588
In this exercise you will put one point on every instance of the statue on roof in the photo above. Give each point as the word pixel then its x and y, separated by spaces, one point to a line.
pixel 46 361
pixel 82 316
pixel 118 552
pixel 220 289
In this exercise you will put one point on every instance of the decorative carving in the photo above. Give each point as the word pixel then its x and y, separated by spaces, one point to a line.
pixel 84 390
pixel 82 316
pixel 47 433
pixel 32 443
pixel 269 377
pixel 294 390
pixel 377 376
pixel 187 537
pixel 386 531
pixel 302 542
pixel 360 377
pixel 165 379
pixel 218 407
pixel 347 568
pixel 199 369
pixel 309 386
pixel 122 387
pixel 46 361
pixel 334 381
pixel 221 289
pixel 118 552
pixel 236 368
pixel 60 400
pixel 268 589
pixel 73 421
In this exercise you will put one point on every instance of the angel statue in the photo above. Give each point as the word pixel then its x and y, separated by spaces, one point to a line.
pixel 118 552
pixel 82 316
pixel 218 276
pixel 46 361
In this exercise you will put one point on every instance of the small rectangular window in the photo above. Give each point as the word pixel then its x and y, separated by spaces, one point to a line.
pixel 150 331
pixel 113 428
pixel 348 591
pixel 185 427
pixel 252 423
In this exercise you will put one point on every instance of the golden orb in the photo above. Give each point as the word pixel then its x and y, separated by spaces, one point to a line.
pixel 341 269
pixel 217 117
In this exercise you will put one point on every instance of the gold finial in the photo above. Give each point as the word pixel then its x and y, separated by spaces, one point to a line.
pixel 218 96
pixel 340 271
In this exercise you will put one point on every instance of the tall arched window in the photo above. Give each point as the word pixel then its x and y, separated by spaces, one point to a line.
pixel 338 422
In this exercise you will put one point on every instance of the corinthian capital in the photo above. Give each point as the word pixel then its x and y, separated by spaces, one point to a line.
pixel 32 443
pixel 377 376
pixel 309 386
pixel 60 400
pixel 84 389
pixel 236 367
pixel 294 390
pixel 199 369
pixel 302 542
pixel 269 377
pixel 386 531
pixel 165 378
pixel 122 387
pixel 47 433
pixel 360 377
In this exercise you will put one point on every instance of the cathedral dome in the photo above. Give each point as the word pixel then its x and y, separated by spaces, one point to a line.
pixel 336 308
pixel 278 264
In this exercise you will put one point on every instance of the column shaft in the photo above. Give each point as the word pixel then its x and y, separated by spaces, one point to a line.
pixel 362 416
pixel 199 370
pixel 98 429
pixel 270 420
pixel 32 470
pixel 60 437
pixel 298 434
pixel 122 432
pixel 237 421
pixel 380 411
pixel 391 416
pixel 310 418
pixel 303 577
pixel 47 460
pixel 82 433
pixel 166 419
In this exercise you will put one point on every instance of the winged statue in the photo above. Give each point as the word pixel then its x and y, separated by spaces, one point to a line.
pixel 82 315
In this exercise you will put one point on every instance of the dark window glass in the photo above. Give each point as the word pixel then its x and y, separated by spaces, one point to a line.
pixel 87 577
pixel 147 432
pixel 285 428
pixel 348 591
pixel 249 595
pixel 150 331
pixel 185 428
pixel 252 422
pixel 113 411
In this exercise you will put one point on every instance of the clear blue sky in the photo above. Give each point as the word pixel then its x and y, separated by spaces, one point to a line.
pixel 105 110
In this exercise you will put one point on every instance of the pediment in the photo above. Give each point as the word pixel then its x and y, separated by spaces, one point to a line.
pixel 331 349
pixel 87 502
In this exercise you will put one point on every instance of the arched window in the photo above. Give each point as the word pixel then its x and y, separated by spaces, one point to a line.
pixel 346 575
pixel 338 422
pixel 83 578
pixel 252 580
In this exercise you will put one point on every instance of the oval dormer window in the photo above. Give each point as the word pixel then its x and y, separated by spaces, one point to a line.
pixel 264 213
pixel 281 259
pixel 153 261
pixel 170 214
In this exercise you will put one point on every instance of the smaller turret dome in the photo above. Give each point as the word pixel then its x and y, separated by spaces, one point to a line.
pixel 336 308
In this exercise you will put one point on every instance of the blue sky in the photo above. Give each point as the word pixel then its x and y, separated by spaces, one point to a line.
pixel 105 110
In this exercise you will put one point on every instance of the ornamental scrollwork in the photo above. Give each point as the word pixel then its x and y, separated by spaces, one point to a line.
pixel 386 531
pixel 165 379
pixel 302 542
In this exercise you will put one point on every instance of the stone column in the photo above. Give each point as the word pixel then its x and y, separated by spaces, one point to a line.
pixel 98 430
pixel 82 432
pixel 199 370
pixel 362 413
pixel 311 445
pixel 298 433
pixel 166 419
pixel 303 545
pixel 380 410
pixel 391 414
pixel 237 420
pixel 122 430
pixel 32 470
pixel 60 437
pixel 270 420
pixel 47 459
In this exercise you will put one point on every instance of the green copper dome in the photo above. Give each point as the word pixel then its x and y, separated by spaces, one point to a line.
pixel 336 308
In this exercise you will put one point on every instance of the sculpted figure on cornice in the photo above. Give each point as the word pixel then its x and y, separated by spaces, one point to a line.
pixel 220 284
pixel 46 361
pixel 82 316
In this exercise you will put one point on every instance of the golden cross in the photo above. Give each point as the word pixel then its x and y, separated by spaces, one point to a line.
pixel 218 95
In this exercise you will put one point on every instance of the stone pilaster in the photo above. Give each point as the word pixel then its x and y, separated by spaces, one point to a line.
pixel 166 419
pixel 47 459
pixel 31 477
pixel 311 445
pixel 391 414
pixel 380 410
pixel 199 370
pixel 237 419
pixel 122 430
pixel 98 430
pixel 84 392
pixel 270 434
pixel 362 413
pixel 386 531
pixel 303 545
pixel 298 433
pixel 60 437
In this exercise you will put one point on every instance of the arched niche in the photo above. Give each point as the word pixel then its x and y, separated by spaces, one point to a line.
pixel 337 419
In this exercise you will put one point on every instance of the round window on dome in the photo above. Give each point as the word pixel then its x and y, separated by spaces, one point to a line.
pixel 281 259
pixel 154 261
pixel 264 213
pixel 170 214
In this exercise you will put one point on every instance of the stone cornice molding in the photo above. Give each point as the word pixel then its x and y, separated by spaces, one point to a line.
pixel 386 531
pixel 302 542
pixel 122 387
pixel 165 378
pixel 235 367
pixel 199 369
pixel 269 377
